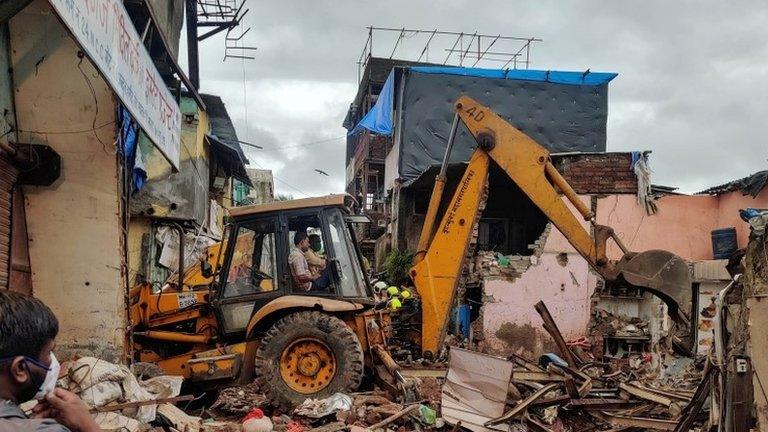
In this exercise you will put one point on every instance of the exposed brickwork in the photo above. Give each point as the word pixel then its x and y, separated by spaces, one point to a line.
pixel 607 173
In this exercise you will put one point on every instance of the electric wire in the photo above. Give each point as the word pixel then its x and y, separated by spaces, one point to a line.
pixel 307 144
pixel 72 132
pixel 283 181
pixel 95 103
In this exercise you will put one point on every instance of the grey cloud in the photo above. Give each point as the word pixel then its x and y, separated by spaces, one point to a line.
pixel 691 85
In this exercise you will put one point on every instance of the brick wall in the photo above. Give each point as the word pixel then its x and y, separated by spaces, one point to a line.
pixel 606 173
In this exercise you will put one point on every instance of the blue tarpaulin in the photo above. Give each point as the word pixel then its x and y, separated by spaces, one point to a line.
pixel 557 77
pixel 129 143
pixel 379 119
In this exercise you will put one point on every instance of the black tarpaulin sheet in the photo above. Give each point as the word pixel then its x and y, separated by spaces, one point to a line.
pixel 561 117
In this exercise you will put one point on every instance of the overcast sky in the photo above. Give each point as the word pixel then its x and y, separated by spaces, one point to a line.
pixel 691 85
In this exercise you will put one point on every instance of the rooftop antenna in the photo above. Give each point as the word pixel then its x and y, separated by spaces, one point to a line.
pixel 219 16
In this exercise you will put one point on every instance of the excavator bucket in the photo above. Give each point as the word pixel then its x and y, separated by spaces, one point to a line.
pixel 665 275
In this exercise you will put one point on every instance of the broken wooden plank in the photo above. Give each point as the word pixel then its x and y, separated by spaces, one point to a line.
pixel 522 361
pixel 571 388
pixel 690 412
pixel 535 425
pixel 330 427
pixel 405 411
pixel 118 407
pixel 524 375
pixel 519 374
pixel 603 404
pixel 586 385
pixel 373 399
pixel 519 408
pixel 551 327
pixel 424 373
pixel 637 422
pixel 557 400
pixel 678 396
pixel 642 393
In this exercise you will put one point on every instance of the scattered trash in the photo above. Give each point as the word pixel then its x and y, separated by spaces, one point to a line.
pixel 119 400
pixel 256 421
pixel 427 415
pixel 317 408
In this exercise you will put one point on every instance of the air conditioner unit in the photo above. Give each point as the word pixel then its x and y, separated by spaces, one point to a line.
pixel 219 182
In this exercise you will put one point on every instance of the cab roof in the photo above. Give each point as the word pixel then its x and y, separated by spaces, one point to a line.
pixel 337 200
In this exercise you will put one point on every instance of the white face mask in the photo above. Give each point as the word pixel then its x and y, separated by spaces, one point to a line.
pixel 50 379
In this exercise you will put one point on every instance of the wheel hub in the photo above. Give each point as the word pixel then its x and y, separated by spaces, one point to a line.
pixel 307 365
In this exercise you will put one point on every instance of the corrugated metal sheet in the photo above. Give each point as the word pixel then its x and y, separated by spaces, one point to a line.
pixel 475 390
pixel 710 270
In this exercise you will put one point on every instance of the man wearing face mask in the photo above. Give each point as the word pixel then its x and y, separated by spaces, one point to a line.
pixel 315 260
pixel 29 370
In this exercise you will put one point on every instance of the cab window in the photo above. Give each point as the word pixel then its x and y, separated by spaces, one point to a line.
pixel 351 281
pixel 252 268
pixel 307 261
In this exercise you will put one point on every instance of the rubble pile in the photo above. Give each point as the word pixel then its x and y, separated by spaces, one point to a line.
pixel 552 395
pixel 239 400
pixel 494 264
pixel 468 390
pixel 121 402
pixel 605 323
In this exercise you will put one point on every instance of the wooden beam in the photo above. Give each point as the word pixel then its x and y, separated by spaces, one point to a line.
pixel 551 327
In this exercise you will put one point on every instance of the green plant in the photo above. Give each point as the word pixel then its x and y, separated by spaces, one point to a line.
pixel 283 197
pixel 397 265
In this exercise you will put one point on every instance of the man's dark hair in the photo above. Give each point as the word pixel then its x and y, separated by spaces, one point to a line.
pixel 298 237
pixel 26 325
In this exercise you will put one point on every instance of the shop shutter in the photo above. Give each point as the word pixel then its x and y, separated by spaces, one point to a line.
pixel 8 174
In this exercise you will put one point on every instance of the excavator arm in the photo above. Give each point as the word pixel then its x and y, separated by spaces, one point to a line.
pixel 442 251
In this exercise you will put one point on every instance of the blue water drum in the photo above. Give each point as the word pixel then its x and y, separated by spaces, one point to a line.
pixel 724 242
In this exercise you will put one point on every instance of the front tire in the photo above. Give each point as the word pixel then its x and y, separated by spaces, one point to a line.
pixel 308 355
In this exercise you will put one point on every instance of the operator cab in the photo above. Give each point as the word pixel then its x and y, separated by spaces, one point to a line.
pixel 256 270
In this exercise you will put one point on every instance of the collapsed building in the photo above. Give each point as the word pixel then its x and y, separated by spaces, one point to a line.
pixel 399 125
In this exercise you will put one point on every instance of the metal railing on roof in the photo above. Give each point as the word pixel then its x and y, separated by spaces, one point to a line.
pixel 466 49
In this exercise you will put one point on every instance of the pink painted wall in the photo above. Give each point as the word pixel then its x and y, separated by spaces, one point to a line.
pixel 683 224
pixel 566 289
pixel 728 212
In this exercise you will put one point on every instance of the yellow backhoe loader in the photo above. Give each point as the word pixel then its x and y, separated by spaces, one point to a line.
pixel 240 315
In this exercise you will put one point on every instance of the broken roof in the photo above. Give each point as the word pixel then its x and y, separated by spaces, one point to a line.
pixel 221 124
pixel 750 185
pixel 223 138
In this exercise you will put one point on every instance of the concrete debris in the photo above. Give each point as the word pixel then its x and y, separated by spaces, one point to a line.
pixel 238 401
pixel 493 264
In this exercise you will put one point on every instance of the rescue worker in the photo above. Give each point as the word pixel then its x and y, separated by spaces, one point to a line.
pixel 397 296
pixel 29 370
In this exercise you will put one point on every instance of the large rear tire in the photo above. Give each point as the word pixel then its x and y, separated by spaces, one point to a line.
pixel 308 355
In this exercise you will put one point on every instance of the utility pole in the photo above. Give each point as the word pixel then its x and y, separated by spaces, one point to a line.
pixel 192 53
